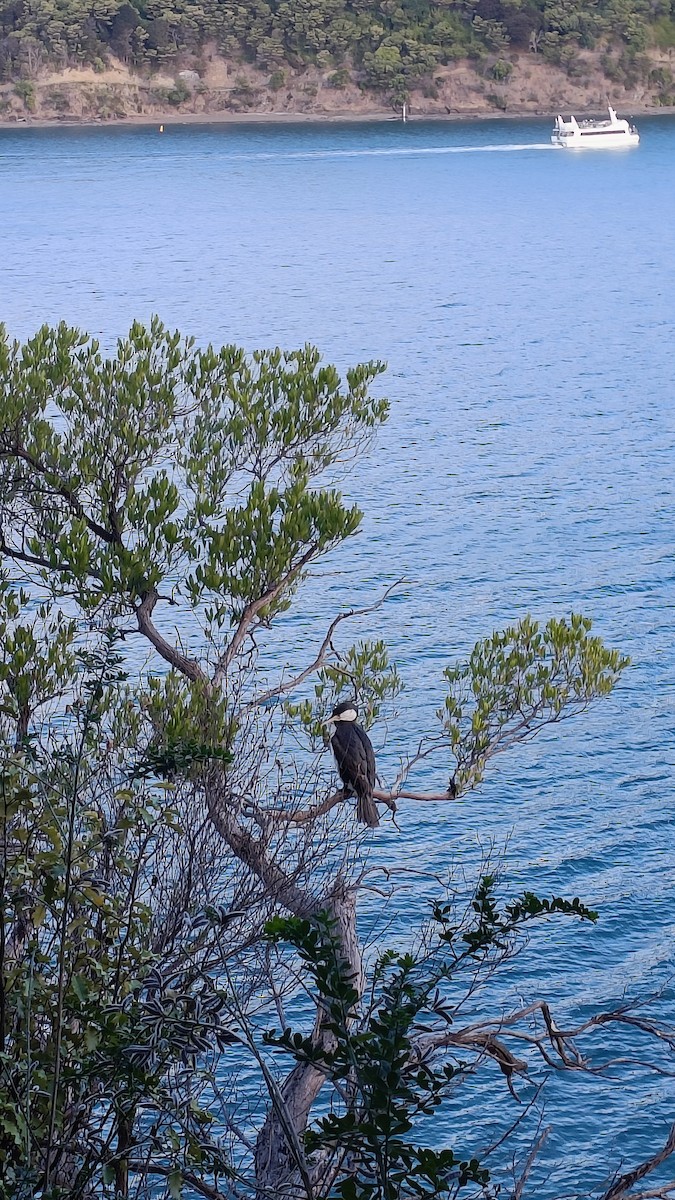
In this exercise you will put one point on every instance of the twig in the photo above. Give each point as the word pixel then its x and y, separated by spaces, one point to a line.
pixel 253 608
pixel 529 1162
pixel 292 684
pixel 619 1188
pixel 194 1181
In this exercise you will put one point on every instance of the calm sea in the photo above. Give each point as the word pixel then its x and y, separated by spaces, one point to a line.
pixel 524 300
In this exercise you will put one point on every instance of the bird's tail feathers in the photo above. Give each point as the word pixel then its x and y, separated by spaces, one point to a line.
pixel 366 811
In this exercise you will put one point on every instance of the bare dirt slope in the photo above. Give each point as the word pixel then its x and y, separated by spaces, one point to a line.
pixel 215 88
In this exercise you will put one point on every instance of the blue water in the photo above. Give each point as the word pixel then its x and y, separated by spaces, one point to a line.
pixel 524 299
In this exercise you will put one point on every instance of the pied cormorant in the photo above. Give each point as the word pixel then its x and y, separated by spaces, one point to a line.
pixel 355 760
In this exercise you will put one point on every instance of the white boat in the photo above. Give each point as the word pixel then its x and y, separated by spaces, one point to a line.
pixel 612 134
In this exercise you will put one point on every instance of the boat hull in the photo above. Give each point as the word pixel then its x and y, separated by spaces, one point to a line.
pixel 595 141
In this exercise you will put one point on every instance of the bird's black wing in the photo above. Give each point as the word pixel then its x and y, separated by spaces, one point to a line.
pixel 355 760
pixel 354 757
pixel 366 761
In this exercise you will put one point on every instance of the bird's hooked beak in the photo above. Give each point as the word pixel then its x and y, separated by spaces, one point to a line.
pixel 329 721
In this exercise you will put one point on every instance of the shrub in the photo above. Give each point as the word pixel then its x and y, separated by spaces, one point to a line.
pixel 501 70
pixel 179 93
pixel 496 101
pixel 339 78
pixel 26 90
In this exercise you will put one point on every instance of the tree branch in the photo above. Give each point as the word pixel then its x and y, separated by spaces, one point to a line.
pixel 253 608
pixel 438 743
pixel 666 1191
pixel 253 853
pixel 529 1163
pixel 292 684
pixel 300 816
pixel 186 666
pixel 618 1190
pixel 36 560
pixel 274 1157
pixel 556 1046
pixel 62 490
pixel 396 794
pixel 302 1086
pixel 204 1189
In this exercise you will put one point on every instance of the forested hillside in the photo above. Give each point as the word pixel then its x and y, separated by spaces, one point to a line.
pixel 390 46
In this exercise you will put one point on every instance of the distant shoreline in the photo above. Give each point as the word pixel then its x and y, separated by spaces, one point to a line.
pixel 227 92
pixel 227 117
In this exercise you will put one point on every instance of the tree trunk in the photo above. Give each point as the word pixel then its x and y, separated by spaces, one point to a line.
pixel 279 1165
pixel 276 1163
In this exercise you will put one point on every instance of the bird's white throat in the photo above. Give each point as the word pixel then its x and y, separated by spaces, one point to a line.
pixel 349 714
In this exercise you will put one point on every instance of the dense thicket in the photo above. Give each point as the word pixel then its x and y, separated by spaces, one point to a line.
pixel 390 43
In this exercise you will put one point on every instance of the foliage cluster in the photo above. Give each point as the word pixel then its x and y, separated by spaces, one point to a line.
pixel 389 45
pixel 102 1008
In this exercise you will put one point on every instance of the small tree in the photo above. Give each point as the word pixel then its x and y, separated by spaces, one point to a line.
pixel 174 499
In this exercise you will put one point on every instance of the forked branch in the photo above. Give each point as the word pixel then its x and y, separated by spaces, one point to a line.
pixel 186 666
pixel 326 646
pixel 59 487
pixel 252 609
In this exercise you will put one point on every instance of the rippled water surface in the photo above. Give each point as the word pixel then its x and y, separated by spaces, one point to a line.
pixel 524 301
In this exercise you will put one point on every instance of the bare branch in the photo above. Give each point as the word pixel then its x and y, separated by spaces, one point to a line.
pixel 556 1048
pixel 619 1189
pixel 529 1163
pixel 254 854
pixel 428 797
pixel 425 748
pixel 522 1115
pixel 251 611
pixel 302 815
pixel 284 688
pixel 186 666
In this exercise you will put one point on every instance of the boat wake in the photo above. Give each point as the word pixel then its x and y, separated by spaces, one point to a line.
pixel 393 151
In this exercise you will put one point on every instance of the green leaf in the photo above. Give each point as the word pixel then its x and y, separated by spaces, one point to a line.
pixel 175 1184
pixel 80 987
